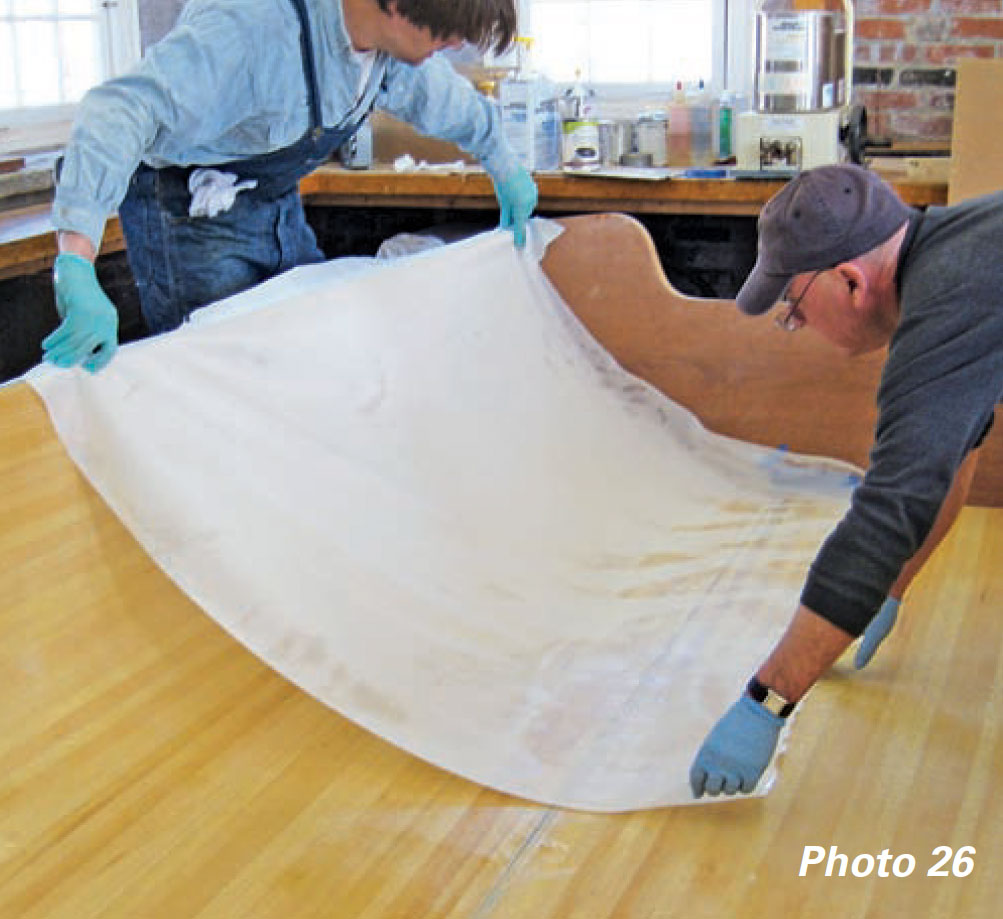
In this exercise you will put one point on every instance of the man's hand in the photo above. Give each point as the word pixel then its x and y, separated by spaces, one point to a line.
pixel 517 196
pixel 737 750
pixel 876 632
pixel 88 334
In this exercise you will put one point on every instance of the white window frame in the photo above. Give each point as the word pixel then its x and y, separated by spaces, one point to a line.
pixel 731 67
pixel 30 129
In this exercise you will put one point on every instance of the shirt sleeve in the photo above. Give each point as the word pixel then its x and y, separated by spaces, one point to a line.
pixel 195 84
pixel 937 394
pixel 439 102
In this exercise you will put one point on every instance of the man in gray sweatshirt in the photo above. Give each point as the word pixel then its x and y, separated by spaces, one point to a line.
pixel 847 258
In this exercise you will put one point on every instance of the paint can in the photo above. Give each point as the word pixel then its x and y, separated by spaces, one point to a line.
pixel 653 137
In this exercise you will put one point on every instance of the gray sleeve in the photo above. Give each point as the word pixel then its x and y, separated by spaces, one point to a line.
pixel 940 385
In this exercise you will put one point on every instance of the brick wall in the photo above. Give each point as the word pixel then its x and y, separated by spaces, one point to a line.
pixel 905 52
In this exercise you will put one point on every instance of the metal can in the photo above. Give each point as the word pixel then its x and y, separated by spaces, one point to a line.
pixel 581 143
pixel 652 136
pixel 615 139
pixel 357 151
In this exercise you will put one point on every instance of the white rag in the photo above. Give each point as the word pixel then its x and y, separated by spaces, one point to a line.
pixel 407 163
pixel 213 192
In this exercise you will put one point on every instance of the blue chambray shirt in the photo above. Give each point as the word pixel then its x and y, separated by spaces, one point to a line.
pixel 228 83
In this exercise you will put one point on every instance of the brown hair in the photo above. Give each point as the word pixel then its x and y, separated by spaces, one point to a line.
pixel 484 23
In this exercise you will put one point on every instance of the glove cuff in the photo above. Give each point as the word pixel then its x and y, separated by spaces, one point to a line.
pixel 67 262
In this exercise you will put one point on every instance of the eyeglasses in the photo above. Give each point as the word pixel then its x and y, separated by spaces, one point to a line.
pixel 791 319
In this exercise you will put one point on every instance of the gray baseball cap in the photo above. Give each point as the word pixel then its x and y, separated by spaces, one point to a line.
pixel 821 218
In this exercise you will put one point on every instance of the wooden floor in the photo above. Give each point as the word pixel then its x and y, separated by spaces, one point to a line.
pixel 150 768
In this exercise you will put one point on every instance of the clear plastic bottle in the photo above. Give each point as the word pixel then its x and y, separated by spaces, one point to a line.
pixel 578 100
pixel 729 105
pixel 680 153
pixel 530 116
pixel 698 101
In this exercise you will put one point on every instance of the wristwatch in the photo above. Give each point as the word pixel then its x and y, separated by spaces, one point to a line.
pixel 771 700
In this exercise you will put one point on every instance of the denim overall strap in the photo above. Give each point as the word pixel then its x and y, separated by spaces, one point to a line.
pixel 367 98
pixel 309 66
pixel 181 262
pixel 279 172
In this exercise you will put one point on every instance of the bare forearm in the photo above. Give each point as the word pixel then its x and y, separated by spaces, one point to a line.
pixel 77 243
pixel 739 747
pixel 807 650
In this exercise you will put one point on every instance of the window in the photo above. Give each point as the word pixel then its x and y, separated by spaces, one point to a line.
pixel 622 41
pixel 51 53
pixel 640 42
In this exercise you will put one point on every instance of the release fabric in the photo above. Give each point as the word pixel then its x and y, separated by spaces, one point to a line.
pixel 426 496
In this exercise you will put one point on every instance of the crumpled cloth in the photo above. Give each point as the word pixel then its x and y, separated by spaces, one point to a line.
pixel 407 163
pixel 214 192
pixel 425 495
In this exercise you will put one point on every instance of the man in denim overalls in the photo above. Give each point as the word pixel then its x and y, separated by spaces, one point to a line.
pixel 202 146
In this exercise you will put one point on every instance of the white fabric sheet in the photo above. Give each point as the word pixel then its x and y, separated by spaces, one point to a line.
pixel 423 494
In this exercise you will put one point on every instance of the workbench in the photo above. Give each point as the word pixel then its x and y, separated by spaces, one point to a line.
pixel 27 241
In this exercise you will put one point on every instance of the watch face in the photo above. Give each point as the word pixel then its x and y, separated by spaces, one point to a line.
pixel 773 702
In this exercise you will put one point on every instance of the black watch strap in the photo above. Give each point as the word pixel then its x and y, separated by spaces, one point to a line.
pixel 770 700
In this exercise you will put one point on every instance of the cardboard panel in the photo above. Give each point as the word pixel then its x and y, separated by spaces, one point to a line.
pixel 976 157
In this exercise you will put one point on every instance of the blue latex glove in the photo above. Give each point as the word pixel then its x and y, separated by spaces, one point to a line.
pixel 517 196
pixel 737 750
pixel 88 334
pixel 876 632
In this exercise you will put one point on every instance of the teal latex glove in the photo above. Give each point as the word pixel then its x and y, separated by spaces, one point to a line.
pixel 517 197
pixel 737 750
pixel 876 632
pixel 88 334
